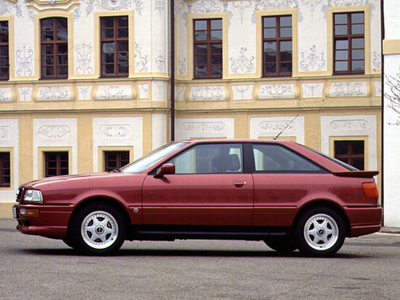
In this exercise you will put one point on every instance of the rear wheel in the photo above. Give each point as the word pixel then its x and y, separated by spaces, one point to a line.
pixel 98 229
pixel 320 232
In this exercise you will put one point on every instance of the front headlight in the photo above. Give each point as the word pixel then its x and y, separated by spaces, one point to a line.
pixel 33 196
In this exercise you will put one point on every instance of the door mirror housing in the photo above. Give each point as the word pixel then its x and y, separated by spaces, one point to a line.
pixel 164 170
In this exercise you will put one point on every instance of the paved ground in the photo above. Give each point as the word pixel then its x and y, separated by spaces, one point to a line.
pixel 39 268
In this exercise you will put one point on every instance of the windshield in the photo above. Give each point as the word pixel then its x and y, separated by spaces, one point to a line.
pixel 147 161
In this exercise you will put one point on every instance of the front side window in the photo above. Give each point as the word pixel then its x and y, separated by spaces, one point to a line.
pixel 56 163
pixel 54 48
pixel 277 46
pixel 115 160
pixel 5 171
pixel 351 153
pixel 348 39
pixel 208 48
pixel 275 159
pixel 4 53
pixel 114 46
pixel 210 159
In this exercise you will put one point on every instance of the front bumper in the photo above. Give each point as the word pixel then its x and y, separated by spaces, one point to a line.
pixel 45 220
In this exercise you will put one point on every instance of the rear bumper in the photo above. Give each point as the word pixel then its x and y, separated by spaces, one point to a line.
pixel 46 220
pixel 364 220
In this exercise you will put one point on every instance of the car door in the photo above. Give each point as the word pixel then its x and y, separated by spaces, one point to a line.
pixel 208 188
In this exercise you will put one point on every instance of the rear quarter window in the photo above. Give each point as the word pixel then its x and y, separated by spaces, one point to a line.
pixel 274 158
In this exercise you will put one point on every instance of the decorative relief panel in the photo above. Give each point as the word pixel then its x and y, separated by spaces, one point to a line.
pixel 242 92
pixel 5 94
pixel 204 128
pixel 51 93
pixel 272 91
pixel 272 126
pixel 45 4
pixel 54 131
pixel 207 93
pixel 25 93
pixel 84 92
pixel 348 89
pixel 179 93
pixel 350 124
pixel 107 92
pixel 5 132
pixel 378 88
pixel 24 59
pixel 143 90
pixel 158 91
pixel 116 131
pixel 312 89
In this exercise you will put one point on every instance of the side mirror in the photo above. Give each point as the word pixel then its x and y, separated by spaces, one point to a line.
pixel 164 170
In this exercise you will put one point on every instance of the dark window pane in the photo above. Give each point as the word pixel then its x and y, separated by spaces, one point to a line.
pixel 358 147
pixel 340 18
pixel 357 65
pixel 122 21
pixel 270 57
pixel 108 47
pixel 216 35
pixel 357 17
pixel 62 23
pixel 357 54
pixel 123 32
pixel 200 60
pixel 63 70
pixel 108 33
pixel 108 69
pixel 269 46
pixel 341 66
pixel 270 33
pixel 358 163
pixel 62 48
pixel 123 68
pixel 286 56
pixel 4 62
pixel 47 36
pixel 200 49
pixel 286 46
pixel 123 46
pixel 357 29
pixel 342 44
pixel 47 49
pixel 216 48
pixel 201 35
pixel 201 71
pixel 342 55
pixel 270 68
pixel 286 21
pixel 216 59
pixel 286 32
pixel 357 43
pixel 216 24
pixel 107 22
pixel 286 68
pixel 123 58
pixel 340 29
pixel 270 22
pixel 200 24
pixel 48 24
pixel 216 70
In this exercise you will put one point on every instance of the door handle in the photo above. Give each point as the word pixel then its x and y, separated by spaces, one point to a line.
pixel 239 184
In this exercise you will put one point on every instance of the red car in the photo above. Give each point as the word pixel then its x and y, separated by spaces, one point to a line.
pixel 288 195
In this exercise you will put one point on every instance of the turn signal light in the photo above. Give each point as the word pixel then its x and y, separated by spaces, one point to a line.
pixel 29 211
pixel 370 190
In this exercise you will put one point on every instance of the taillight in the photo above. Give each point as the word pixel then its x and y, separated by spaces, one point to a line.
pixel 370 190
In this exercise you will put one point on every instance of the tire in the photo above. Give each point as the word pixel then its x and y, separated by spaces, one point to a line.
pixel 320 232
pixel 281 244
pixel 98 229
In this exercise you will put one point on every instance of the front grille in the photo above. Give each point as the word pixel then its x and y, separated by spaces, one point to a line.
pixel 19 194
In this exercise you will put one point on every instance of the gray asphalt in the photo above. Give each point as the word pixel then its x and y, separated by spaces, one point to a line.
pixel 39 268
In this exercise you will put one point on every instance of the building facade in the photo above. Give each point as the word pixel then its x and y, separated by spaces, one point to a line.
pixel 391 105
pixel 85 84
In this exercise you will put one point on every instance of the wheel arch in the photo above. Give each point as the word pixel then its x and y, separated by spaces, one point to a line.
pixel 101 200
pixel 323 203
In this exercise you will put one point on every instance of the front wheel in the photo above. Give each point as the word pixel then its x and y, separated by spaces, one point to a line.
pixel 98 230
pixel 320 232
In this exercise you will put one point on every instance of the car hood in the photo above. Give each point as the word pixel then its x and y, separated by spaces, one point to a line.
pixel 68 179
